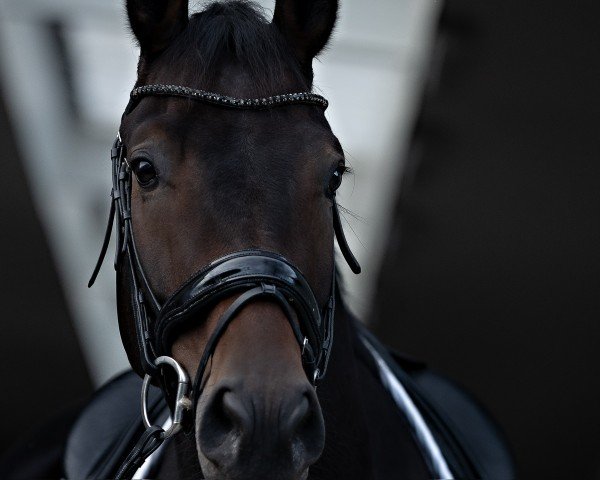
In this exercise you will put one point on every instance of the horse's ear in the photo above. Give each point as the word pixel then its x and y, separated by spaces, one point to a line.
pixel 156 22
pixel 307 25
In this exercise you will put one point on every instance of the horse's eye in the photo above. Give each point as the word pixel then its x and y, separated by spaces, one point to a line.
pixel 336 179
pixel 144 172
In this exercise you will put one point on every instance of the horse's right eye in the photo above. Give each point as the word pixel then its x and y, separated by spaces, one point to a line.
pixel 336 180
pixel 145 172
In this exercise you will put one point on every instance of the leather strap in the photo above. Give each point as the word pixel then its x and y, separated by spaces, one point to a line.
pixel 107 235
pixel 148 443
pixel 262 291
pixel 236 273
pixel 342 242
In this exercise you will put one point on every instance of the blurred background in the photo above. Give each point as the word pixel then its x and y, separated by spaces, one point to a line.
pixel 473 129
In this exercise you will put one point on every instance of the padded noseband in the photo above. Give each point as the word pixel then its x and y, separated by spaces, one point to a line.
pixel 253 274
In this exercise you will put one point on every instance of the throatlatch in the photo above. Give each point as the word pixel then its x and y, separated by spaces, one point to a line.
pixel 252 274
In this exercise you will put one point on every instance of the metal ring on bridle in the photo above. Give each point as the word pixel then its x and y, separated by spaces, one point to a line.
pixel 182 401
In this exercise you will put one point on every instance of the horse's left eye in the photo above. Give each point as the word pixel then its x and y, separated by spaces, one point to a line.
pixel 336 179
pixel 144 172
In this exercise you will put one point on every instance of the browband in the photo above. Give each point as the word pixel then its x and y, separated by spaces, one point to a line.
pixel 304 98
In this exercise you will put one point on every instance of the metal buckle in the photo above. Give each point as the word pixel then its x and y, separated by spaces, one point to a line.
pixel 182 401
pixel 304 344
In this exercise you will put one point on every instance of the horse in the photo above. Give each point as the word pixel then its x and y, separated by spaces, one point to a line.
pixel 225 173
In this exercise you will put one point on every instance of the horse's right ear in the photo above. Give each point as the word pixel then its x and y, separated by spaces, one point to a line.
pixel 307 26
pixel 156 22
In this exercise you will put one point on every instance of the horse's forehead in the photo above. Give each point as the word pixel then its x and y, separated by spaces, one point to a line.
pixel 173 123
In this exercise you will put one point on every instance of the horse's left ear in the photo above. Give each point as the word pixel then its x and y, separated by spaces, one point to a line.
pixel 156 22
pixel 306 25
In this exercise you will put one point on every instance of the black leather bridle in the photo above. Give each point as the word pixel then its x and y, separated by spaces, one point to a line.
pixel 250 274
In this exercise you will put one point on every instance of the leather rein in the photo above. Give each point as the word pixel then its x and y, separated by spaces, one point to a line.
pixel 250 274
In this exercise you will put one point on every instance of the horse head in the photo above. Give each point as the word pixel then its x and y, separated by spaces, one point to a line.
pixel 217 188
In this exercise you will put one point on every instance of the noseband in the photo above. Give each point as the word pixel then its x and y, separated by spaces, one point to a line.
pixel 249 274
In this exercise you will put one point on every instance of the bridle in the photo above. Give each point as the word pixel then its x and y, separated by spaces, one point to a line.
pixel 249 274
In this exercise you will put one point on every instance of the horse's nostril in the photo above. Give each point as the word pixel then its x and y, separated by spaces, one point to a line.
pixel 235 412
pixel 305 427
pixel 294 418
pixel 223 418
pixel 302 422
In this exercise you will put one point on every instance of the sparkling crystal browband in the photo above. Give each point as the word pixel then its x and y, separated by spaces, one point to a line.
pixel 305 98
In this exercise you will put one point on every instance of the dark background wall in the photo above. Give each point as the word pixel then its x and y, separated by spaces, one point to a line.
pixel 493 270
pixel 41 366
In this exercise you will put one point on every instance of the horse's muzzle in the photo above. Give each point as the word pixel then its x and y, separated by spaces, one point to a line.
pixel 244 431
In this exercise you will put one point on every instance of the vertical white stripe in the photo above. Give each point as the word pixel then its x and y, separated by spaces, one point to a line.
pixel 428 444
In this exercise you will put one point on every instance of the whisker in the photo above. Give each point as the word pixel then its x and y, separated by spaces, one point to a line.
pixel 354 215
pixel 352 229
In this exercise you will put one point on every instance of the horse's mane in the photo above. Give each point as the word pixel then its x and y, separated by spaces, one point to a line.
pixel 234 31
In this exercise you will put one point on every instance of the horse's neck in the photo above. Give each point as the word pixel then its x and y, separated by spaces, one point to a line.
pixel 366 435
pixel 347 433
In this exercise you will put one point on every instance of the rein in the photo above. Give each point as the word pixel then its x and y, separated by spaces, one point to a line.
pixel 251 274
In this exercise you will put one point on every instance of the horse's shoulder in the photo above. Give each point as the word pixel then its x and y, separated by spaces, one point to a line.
pixel 107 427
pixel 470 439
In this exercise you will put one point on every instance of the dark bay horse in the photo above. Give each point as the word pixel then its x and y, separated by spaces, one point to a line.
pixel 211 181
pixel 230 197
